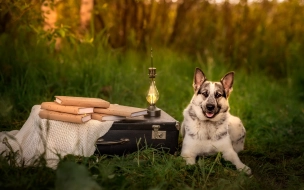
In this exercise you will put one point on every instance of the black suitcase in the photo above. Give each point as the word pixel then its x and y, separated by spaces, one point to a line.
pixel 130 135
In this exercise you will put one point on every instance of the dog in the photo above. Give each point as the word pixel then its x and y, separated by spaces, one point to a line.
pixel 208 127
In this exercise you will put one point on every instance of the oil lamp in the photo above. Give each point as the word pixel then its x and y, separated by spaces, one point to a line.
pixel 152 95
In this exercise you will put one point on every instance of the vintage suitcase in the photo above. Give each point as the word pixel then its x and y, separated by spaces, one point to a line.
pixel 130 135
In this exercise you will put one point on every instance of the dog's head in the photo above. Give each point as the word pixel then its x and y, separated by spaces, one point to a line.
pixel 210 99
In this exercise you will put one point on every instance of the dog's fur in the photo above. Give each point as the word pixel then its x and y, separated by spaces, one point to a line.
pixel 208 127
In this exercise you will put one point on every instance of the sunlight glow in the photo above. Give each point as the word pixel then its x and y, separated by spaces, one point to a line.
pixel 221 1
pixel 238 1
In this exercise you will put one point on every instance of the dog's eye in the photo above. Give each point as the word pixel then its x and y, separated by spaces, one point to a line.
pixel 205 93
pixel 218 94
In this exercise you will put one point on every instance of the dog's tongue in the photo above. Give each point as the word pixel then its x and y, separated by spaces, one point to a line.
pixel 209 114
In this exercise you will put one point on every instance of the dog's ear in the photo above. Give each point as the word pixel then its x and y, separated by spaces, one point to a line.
pixel 227 82
pixel 199 79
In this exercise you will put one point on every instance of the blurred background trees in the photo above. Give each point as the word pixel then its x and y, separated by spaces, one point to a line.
pixel 262 34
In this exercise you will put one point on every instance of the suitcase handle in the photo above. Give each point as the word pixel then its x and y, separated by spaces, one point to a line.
pixel 101 141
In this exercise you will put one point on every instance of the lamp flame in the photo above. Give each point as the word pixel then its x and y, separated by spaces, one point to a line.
pixel 153 94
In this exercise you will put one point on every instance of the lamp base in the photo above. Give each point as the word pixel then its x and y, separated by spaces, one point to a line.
pixel 153 111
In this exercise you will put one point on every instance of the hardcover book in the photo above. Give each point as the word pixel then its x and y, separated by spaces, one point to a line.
pixel 82 101
pixel 53 106
pixel 105 117
pixel 119 110
pixel 59 116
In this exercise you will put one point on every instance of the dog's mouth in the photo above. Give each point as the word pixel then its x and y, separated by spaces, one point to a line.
pixel 210 110
pixel 209 114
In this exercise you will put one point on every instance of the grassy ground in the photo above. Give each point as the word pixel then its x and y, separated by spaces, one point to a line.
pixel 271 109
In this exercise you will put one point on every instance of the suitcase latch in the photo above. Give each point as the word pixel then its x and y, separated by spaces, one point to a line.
pixel 156 134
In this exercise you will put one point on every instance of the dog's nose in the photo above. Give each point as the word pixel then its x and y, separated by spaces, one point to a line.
pixel 210 107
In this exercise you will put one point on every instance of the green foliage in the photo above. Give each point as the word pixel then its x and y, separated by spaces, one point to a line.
pixel 271 110
pixel 254 36
pixel 78 177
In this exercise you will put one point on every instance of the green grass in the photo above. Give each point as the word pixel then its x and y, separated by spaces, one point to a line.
pixel 271 109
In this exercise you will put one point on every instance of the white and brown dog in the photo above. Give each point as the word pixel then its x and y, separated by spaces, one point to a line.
pixel 208 127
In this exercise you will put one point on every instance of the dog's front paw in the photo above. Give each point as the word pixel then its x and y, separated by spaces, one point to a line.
pixel 189 160
pixel 246 170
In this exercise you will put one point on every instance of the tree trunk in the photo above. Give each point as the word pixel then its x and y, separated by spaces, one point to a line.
pixel 99 24
pixel 86 9
pixel 141 32
pixel 49 14
pixel 180 15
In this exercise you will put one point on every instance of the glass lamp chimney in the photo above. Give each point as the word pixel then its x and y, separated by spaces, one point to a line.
pixel 152 95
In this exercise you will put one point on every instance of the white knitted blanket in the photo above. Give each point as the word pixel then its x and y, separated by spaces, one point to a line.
pixel 51 139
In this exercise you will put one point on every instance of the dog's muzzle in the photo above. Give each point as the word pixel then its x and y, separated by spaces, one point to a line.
pixel 210 110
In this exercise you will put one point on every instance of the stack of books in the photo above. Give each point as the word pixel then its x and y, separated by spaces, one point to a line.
pixel 82 109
